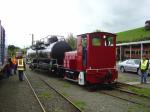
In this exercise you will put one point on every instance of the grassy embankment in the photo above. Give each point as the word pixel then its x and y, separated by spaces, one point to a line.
pixel 138 34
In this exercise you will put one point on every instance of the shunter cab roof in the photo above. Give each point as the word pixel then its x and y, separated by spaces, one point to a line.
pixel 106 33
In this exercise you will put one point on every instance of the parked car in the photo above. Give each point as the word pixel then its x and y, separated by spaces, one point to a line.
pixel 130 65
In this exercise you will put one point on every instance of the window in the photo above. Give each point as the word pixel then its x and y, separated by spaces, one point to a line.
pixel 96 41
pixel 130 62
pixel 132 52
pixel 84 42
pixel 127 52
pixel 108 41
pixel 146 52
pixel 137 61
pixel 137 52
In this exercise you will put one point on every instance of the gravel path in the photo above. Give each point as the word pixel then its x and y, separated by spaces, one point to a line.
pixel 90 101
pixel 16 96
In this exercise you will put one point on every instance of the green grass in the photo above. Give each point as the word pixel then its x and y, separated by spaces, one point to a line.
pixel 66 85
pixel 138 108
pixel 80 104
pixel 143 91
pixel 45 95
pixel 138 34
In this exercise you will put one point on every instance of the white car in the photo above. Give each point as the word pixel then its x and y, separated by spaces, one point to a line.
pixel 130 65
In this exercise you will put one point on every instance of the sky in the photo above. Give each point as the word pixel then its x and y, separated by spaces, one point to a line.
pixel 21 18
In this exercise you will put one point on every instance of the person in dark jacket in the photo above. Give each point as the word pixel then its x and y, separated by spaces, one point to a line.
pixel 11 66
pixel 144 65
pixel 7 68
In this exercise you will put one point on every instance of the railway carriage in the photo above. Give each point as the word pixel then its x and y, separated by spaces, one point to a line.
pixel 2 49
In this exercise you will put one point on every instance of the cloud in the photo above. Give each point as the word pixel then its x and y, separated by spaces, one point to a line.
pixel 44 17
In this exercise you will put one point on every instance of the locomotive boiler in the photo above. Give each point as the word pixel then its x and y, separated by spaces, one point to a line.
pixel 44 54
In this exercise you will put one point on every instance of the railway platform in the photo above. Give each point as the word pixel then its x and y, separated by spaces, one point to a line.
pixel 16 96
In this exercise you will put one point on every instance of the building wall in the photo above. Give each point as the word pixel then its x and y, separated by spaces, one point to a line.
pixel 135 50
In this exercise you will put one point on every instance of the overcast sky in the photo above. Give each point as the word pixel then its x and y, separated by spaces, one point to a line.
pixel 21 18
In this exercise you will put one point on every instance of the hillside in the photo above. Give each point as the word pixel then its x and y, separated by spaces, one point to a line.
pixel 138 34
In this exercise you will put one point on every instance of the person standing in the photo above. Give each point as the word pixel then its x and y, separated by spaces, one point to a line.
pixel 144 65
pixel 15 64
pixel 21 67
pixel 8 67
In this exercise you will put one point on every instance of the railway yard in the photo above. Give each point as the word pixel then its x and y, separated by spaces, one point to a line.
pixel 79 60
pixel 52 94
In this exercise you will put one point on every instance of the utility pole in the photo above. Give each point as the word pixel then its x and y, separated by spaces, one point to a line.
pixel 32 38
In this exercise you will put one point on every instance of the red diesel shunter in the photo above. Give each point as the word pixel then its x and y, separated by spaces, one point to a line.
pixel 94 61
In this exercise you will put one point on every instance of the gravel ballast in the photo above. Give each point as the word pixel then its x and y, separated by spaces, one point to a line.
pixel 51 100
pixel 86 100
pixel 16 96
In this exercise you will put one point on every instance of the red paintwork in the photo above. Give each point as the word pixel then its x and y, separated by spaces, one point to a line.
pixel 70 60
pixel 100 59
pixel 98 76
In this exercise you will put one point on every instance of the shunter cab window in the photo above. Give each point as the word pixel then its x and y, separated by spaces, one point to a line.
pixel 84 42
pixel 108 41
pixel 96 41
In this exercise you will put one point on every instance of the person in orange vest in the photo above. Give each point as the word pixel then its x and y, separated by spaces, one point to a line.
pixel 21 67
pixel 15 64
pixel 144 65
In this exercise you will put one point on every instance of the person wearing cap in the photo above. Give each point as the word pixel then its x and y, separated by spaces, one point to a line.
pixel 144 64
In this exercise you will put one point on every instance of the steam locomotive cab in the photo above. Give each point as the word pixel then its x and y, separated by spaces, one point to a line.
pixel 94 61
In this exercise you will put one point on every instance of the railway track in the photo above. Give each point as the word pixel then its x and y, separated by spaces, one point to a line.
pixel 36 96
pixel 57 93
pixel 124 92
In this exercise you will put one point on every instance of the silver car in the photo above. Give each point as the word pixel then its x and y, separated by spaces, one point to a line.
pixel 130 65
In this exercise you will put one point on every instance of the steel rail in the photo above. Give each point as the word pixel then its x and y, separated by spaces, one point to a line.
pixel 34 93
pixel 57 91
pixel 126 91
pixel 123 90
pixel 125 84
pixel 117 89
pixel 120 98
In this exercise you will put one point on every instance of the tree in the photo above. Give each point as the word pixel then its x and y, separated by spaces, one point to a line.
pixel 12 50
pixel 71 40
pixel 147 25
